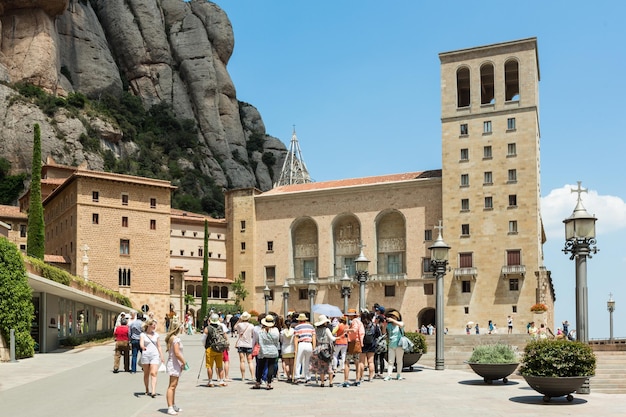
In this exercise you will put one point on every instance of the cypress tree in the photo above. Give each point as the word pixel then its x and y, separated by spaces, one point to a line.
pixel 205 272
pixel 35 241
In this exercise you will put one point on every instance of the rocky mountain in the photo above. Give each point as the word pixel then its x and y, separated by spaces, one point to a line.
pixel 170 51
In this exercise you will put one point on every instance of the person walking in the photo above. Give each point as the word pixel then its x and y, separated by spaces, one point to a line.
pixel 323 351
pixel 244 344
pixel 395 353
pixel 370 334
pixel 268 338
pixel 213 333
pixel 341 345
pixel 509 324
pixel 121 335
pixel 134 330
pixel 151 356
pixel 304 344
pixel 175 364
pixel 287 349
pixel 355 344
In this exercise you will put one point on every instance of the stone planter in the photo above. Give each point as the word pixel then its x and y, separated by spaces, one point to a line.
pixel 555 386
pixel 408 360
pixel 494 371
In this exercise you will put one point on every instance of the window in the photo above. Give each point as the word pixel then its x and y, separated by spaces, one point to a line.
pixel 23 248
pixel 195 234
pixel 211 254
pixel 124 221
pixel 242 274
pixel 465 230
pixel 511 149
pixel 243 225
pixel 123 279
pixel 510 123
pixel 95 196
pixel 182 232
pixel 465 204
pixel 153 203
pixel 23 229
pixel 426 265
pixel 429 289
pixel 390 290
pixel 514 309
pixel 182 252
pixel 243 246
pixel 487 152
pixel 95 218
pixel 463 87
pixel 152 224
pixel 393 264
pixel 464 180
pixel 512 227
pixel 466 286
pixel 124 199
pixel 514 284
pixel 464 154
pixel 513 257
pixel 428 235
pixel 270 246
pixel 200 252
pixel 270 273
pixel 124 247
pixel 489 203
pixel 466 310
pixel 511 81
pixel 309 268
pixel 464 129
pixel 303 294
pixel 487 178
pixel 487 126
pixel 487 84
pixel 465 260
pixel 512 175
pixel 171 283
pixel 348 266
pixel 512 200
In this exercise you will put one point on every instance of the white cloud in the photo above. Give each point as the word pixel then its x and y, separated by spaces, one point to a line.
pixel 560 203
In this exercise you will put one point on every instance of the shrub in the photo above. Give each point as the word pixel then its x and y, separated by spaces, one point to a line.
pixel 419 342
pixel 16 305
pixel 560 358
pixel 539 308
pixel 496 353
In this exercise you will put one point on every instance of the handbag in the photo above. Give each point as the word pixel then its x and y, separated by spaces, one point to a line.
pixel 381 344
pixel 354 346
pixel 405 343
pixel 255 350
pixel 162 367
pixel 323 352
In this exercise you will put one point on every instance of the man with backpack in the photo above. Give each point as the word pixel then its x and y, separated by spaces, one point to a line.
pixel 215 343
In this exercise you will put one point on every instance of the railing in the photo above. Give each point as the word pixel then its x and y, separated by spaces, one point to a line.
pixel 465 272
pixel 337 279
pixel 514 270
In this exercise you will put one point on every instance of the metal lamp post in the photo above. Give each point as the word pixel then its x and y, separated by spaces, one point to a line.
pixel 580 240
pixel 610 306
pixel 285 298
pixel 267 294
pixel 312 286
pixel 439 253
pixel 361 264
pixel 346 290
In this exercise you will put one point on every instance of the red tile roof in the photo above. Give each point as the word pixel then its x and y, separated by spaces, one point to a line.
pixel 12 212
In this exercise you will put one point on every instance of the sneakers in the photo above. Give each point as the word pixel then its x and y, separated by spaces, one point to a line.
pixel 345 384
pixel 357 384
pixel 398 377
pixel 171 411
pixel 222 384
pixel 177 408
pixel 387 378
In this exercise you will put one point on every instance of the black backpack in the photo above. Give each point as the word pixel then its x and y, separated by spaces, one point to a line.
pixel 216 340
pixel 370 335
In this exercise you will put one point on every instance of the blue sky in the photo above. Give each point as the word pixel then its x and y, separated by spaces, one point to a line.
pixel 360 81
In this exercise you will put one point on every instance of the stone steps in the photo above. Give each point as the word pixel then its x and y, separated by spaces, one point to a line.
pixel 609 378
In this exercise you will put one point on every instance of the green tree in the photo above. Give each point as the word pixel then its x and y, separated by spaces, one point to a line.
pixel 240 291
pixel 36 234
pixel 16 304
pixel 205 272
pixel 190 300
pixel 11 186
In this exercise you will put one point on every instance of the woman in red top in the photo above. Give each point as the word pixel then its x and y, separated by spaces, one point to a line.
pixel 122 343
pixel 341 344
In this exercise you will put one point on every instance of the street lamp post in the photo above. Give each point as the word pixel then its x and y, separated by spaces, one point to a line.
pixel 312 286
pixel 439 253
pixel 267 294
pixel 361 264
pixel 580 240
pixel 610 306
pixel 285 298
pixel 346 290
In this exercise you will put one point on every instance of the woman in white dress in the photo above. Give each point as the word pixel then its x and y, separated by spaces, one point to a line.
pixel 151 355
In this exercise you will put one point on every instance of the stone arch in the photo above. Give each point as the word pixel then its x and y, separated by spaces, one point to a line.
pixel 463 90
pixel 346 243
pixel 487 83
pixel 304 238
pixel 511 80
pixel 425 317
pixel 391 242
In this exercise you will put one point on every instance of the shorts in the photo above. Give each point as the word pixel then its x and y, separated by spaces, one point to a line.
pixel 289 355
pixel 352 357
pixel 214 358
pixel 225 357
pixel 150 359
pixel 247 350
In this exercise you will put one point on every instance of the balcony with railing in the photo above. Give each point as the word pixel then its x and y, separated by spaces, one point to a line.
pixel 514 270
pixel 470 272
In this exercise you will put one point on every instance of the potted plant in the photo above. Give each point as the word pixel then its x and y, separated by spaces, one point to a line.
pixel 539 308
pixel 493 362
pixel 419 348
pixel 556 367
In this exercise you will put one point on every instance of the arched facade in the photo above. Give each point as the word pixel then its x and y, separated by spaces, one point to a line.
pixel 463 92
pixel 304 236
pixel 391 243
pixel 346 243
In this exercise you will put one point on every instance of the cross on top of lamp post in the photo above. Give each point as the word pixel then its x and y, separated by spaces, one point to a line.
pixel 579 190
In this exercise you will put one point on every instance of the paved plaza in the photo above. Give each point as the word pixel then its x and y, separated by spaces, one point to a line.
pixel 80 382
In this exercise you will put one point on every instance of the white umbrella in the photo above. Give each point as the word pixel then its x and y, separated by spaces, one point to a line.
pixel 328 310
pixel 470 323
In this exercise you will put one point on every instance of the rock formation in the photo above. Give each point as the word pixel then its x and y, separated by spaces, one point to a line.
pixel 161 50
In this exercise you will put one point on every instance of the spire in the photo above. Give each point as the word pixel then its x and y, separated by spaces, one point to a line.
pixel 294 169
